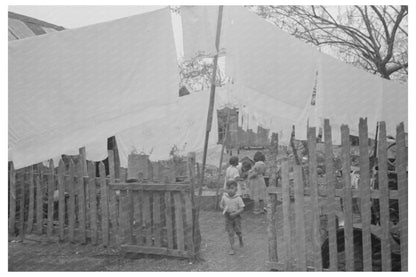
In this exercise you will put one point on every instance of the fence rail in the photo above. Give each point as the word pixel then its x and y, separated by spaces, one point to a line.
pixel 328 227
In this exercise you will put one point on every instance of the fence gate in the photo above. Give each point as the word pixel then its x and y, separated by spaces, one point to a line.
pixel 155 219
pixel 333 223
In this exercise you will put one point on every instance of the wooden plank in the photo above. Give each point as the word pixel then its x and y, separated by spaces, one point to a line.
pixel 12 200
pixel 169 220
pixel 51 190
pixel 271 227
pixel 124 217
pixel 179 221
pixel 84 173
pixel 365 193
pixel 39 200
pixel 287 246
pixel 347 200
pixel 130 215
pixel 148 187
pixel 92 188
pixel 81 203
pixel 137 216
pixel 188 223
pixel 196 237
pixel 104 205
pixel 31 211
pixel 331 204
pixel 300 219
pixel 147 218
pixel 112 198
pixel 155 251
pixel 21 182
pixel 71 201
pixel 383 184
pixel 61 197
pixel 313 183
pixel 157 234
pixel 401 169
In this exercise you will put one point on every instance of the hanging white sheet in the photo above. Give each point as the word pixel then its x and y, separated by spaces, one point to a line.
pixel 77 87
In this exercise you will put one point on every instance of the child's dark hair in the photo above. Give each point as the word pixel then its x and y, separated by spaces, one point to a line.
pixel 246 166
pixel 233 161
pixel 259 157
pixel 231 183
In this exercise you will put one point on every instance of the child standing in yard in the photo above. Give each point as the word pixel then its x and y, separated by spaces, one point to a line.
pixel 232 173
pixel 232 206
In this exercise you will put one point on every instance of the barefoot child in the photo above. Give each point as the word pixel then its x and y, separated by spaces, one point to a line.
pixel 232 206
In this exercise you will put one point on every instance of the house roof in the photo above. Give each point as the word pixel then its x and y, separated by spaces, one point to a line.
pixel 21 26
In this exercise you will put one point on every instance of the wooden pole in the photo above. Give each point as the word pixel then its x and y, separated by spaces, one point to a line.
pixel 224 141
pixel 211 103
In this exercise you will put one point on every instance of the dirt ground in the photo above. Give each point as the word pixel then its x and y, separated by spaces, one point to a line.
pixel 38 255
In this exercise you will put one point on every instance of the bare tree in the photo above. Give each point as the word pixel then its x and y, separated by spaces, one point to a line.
pixel 372 37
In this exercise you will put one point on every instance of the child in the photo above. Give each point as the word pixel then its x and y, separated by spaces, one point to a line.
pixel 232 206
pixel 232 173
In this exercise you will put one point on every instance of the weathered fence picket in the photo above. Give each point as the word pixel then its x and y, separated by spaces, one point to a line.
pixel 331 204
pixel 39 200
pixel 104 205
pixel 383 185
pixel 12 200
pixel 51 190
pixel 30 216
pixel 347 199
pixel 286 215
pixel 313 185
pixel 21 182
pixel 365 202
pixel 71 201
pixel 81 201
pixel 61 197
pixel 300 219
pixel 401 169
pixel 92 188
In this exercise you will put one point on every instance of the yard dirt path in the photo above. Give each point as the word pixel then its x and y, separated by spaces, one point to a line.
pixel 35 255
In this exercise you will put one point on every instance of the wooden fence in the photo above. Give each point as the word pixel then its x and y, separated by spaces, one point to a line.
pixel 70 203
pixel 333 225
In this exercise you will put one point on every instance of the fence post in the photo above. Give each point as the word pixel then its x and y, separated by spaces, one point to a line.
pixel 179 221
pixel 104 204
pixel 313 183
pixel 383 185
pixel 71 200
pixel 81 201
pixel 401 168
pixel 347 200
pixel 61 197
pixel 365 194
pixel 300 219
pixel 12 199
pixel 22 206
pixel 30 217
pixel 51 190
pixel 331 204
pixel 92 188
pixel 39 200
pixel 286 215
pixel 113 199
